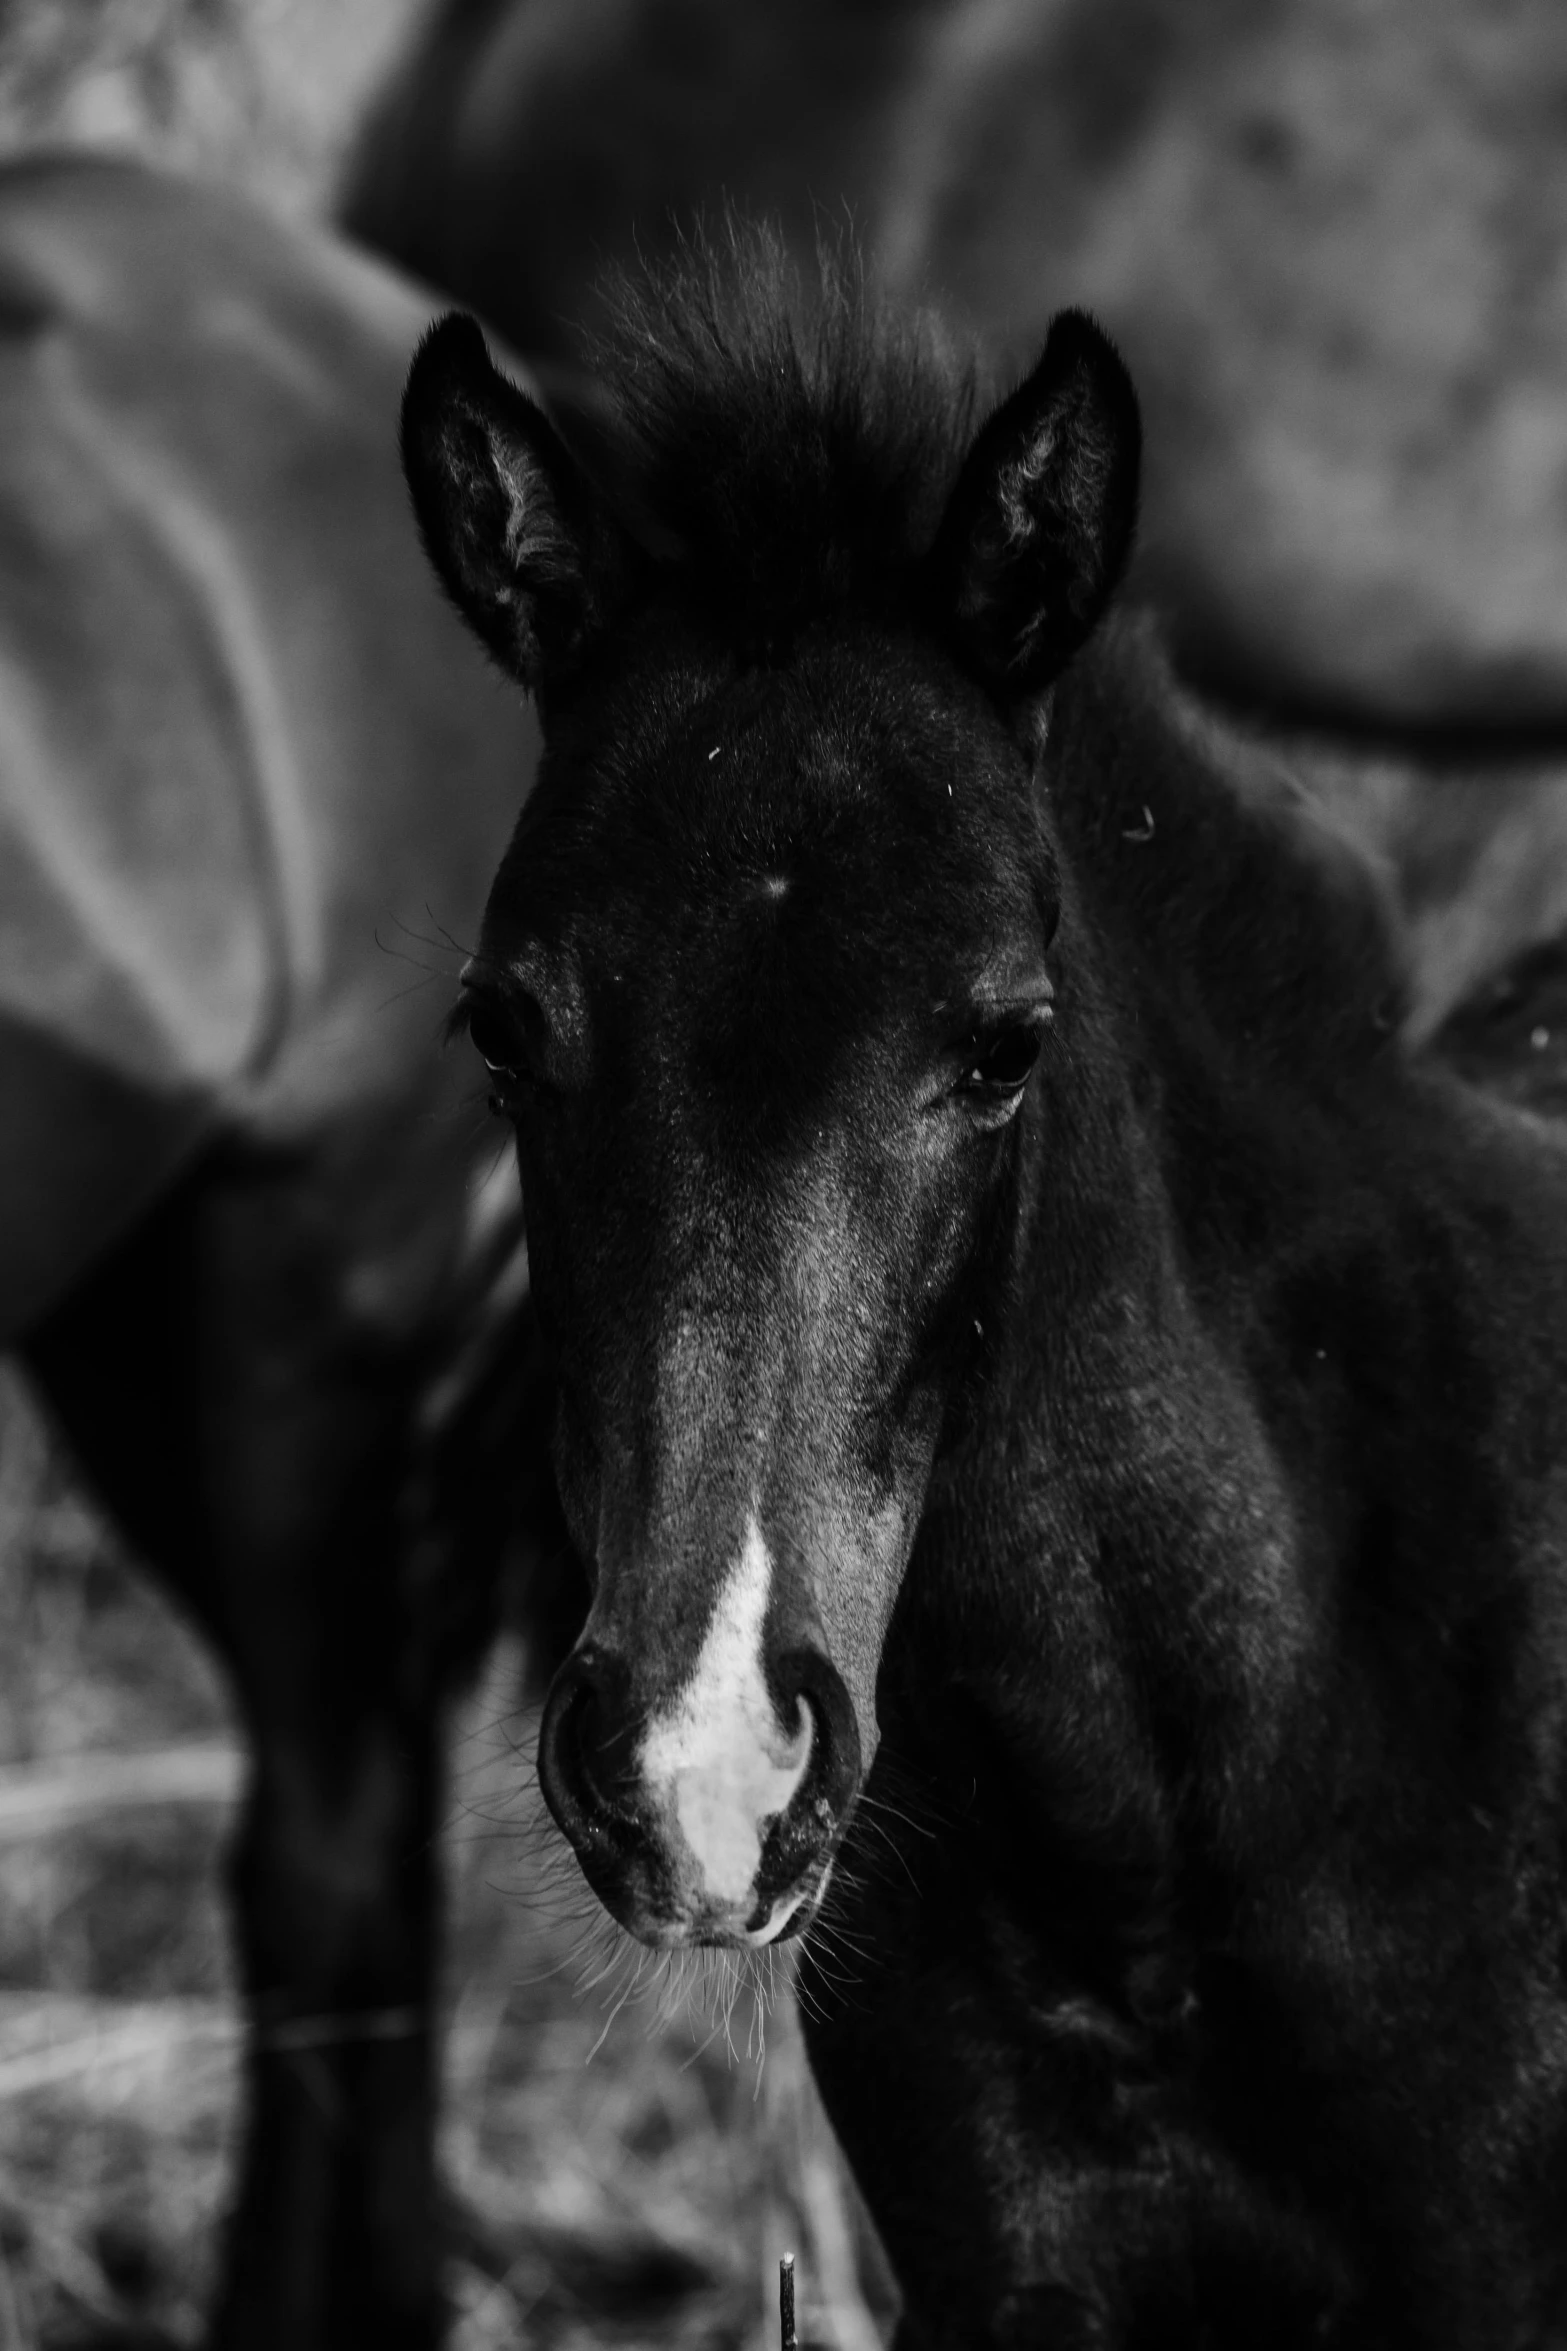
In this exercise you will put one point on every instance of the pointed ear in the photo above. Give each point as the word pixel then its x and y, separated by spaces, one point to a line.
pixel 523 544
pixel 1039 526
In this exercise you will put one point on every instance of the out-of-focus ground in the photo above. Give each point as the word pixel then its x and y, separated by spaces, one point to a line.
pixel 620 2171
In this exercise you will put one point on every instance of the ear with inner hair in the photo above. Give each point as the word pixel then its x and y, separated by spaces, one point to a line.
pixel 1035 535
pixel 522 542
pixel 1039 526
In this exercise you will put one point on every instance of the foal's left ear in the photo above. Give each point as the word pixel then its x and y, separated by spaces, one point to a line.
pixel 1039 526
pixel 524 544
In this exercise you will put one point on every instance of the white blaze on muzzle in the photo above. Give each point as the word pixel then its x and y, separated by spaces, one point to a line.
pixel 715 1760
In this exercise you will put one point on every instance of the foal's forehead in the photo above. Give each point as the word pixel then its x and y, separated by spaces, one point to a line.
pixel 750 871
pixel 865 762
pixel 857 719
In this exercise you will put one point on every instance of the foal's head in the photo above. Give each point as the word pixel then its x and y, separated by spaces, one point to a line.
pixel 761 984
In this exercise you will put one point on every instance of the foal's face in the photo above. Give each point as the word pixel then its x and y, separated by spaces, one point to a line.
pixel 763 982
pixel 762 985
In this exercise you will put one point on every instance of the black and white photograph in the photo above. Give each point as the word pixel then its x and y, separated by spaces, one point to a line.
pixel 783 1175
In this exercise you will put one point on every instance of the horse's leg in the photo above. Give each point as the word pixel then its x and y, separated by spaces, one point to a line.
pixel 334 2233
pixel 246 1390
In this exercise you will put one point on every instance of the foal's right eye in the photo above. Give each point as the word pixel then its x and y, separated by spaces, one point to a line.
pixel 495 1040
pixel 530 1060
pixel 497 1037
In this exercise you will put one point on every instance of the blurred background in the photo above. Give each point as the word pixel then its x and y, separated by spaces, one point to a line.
pixel 1331 236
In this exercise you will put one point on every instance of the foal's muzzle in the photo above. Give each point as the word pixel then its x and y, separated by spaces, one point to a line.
pixel 701 1840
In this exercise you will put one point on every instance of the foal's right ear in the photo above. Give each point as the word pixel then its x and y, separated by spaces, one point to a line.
pixel 1039 526
pixel 523 543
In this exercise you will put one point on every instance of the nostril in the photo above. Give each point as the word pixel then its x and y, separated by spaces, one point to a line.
pixel 832 1772
pixel 807 1733
pixel 802 1836
pixel 585 1747
pixel 572 1736
pixel 604 1749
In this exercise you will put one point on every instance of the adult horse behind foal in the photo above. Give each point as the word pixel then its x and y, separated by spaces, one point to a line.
pixel 245 1243
pixel 1324 234
pixel 1066 1411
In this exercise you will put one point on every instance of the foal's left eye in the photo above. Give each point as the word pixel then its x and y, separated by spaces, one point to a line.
pixel 1003 1062
pixel 998 1066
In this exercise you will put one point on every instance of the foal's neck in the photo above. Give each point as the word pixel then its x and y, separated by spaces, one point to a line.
pixel 1228 918
pixel 1246 1390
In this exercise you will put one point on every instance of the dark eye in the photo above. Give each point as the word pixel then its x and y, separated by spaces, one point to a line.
pixel 1001 1062
pixel 497 1035
pixel 996 1066
pixel 494 1039
pixel 1005 1061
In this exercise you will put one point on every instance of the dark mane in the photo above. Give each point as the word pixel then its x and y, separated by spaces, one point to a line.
pixel 1212 867
pixel 794 442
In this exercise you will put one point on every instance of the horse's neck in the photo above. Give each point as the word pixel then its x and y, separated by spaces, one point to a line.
pixel 1253 1339
pixel 1221 904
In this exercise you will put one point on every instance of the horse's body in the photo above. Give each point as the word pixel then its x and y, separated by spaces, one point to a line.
pixel 1065 1409
pixel 250 774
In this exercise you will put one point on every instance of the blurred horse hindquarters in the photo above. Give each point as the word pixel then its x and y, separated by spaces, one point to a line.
pixel 1326 237
pixel 252 782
